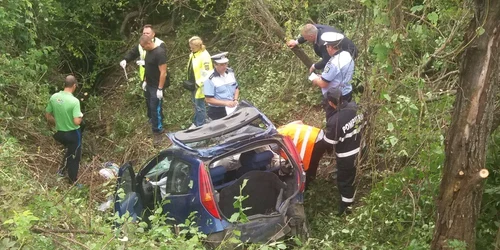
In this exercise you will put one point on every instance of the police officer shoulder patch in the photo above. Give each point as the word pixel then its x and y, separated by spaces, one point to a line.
pixel 327 69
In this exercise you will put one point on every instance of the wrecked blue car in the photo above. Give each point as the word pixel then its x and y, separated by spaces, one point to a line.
pixel 203 170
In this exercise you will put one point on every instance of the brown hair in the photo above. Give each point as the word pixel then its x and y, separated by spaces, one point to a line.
pixel 149 26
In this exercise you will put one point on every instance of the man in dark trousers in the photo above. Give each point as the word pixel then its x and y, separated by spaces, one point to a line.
pixel 63 111
pixel 155 64
pixel 310 144
pixel 343 130
pixel 139 53
pixel 312 33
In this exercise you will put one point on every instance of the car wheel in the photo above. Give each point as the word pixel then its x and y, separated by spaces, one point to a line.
pixel 222 240
pixel 298 222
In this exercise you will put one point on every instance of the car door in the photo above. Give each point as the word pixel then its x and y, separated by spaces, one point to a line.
pixel 127 200
pixel 169 180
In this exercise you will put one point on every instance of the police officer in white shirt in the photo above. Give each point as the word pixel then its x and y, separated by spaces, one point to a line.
pixel 221 88
pixel 338 71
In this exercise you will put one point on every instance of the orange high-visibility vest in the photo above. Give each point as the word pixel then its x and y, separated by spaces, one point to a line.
pixel 304 138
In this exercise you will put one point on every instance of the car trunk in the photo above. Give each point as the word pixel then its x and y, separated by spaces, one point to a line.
pixel 267 205
pixel 265 193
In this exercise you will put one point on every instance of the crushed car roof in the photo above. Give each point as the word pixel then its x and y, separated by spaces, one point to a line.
pixel 237 120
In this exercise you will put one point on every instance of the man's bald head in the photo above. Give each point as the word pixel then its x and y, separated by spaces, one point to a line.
pixel 70 81
pixel 146 42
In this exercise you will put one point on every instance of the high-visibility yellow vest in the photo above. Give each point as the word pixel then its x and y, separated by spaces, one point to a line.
pixel 304 138
pixel 202 66
pixel 142 56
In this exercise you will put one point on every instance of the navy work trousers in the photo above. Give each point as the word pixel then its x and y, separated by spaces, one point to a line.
pixel 72 141
pixel 320 147
pixel 346 173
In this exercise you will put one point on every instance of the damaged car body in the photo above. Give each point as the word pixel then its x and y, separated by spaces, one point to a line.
pixel 203 172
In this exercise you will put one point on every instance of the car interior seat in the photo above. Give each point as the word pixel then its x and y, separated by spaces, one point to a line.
pixel 252 160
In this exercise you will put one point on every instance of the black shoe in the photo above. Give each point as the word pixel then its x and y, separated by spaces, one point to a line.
pixel 345 208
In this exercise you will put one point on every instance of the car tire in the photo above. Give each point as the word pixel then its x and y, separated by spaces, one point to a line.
pixel 222 240
pixel 298 222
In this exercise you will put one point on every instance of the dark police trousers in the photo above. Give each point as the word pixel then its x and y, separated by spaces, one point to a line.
pixel 155 109
pixel 346 173
pixel 216 113
pixel 72 141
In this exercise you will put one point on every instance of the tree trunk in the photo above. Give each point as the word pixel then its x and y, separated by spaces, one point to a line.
pixel 496 119
pixel 269 24
pixel 497 241
pixel 462 185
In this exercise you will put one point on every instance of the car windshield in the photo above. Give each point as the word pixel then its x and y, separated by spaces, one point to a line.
pixel 258 126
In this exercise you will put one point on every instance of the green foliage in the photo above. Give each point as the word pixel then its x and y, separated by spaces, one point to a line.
pixel 400 65
pixel 456 244
pixel 22 223
pixel 240 216
pixel 489 221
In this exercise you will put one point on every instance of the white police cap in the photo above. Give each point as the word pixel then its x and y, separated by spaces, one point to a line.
pixel 331 37
pixel 220 58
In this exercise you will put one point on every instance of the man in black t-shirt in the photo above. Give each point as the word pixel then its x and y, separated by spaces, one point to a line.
pixel 155 65
pixel 343 130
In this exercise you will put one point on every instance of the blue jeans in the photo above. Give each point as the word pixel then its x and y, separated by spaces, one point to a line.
pixel 155 109
pixel 199 111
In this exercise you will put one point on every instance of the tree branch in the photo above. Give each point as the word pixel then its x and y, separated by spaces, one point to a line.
pixel 63 237
pixel 36 229
pixel 270 25
pixel 129 16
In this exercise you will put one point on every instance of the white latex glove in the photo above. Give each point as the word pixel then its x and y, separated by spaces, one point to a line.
pixel 140 63
pixel 144 86
pixel 123 63
pixel 159 94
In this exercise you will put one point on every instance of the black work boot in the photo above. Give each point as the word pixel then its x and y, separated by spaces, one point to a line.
pixel 344 208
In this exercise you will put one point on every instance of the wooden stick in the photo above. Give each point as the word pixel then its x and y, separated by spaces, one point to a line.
pixel 46 230
pixel 64 237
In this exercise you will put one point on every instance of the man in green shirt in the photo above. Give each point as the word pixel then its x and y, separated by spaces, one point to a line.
pixel 63 111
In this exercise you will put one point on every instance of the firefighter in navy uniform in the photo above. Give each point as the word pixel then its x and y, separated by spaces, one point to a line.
pixel 343 130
